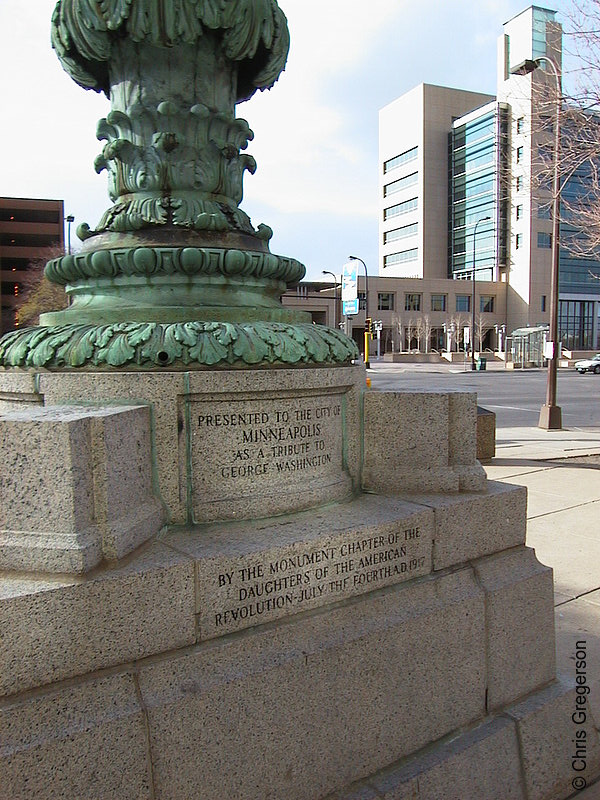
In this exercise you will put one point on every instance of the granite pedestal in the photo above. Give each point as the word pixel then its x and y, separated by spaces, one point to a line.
pixel 330 601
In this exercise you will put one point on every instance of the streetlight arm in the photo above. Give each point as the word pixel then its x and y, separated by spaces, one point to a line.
pixel 356 258
pixel 335 296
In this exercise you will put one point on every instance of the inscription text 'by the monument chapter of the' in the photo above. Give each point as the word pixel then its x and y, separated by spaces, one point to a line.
pixel 249 591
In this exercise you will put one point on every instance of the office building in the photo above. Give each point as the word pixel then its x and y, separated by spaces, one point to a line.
pixel 413 180
pixel 461 195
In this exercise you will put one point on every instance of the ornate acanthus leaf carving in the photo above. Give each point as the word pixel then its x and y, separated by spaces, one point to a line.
pixel 254 32
pixel 154 345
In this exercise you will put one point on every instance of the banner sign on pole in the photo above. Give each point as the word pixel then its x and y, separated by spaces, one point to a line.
pixel 350 307
pixel 349 282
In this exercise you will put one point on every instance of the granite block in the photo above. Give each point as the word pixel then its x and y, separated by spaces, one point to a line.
pixel 462 427
pixel 189 467
pixel 486 434
pixel 76 743
pixel 549 738
pixel 255 572
pixel 482 764
pixel 18 390
pixel 321 701
pixel 55 628
pixel 47 514
pixel 157 390
pixel 406 442
pixel 469 526
pixel 16 384
pixel 76 487
pixel 126 508
pixel 520 624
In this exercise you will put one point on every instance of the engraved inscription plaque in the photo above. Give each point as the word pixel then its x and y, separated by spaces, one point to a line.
pixel 249 590
pixel 273 450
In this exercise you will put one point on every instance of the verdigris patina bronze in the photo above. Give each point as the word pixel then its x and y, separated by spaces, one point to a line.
pixel 174 273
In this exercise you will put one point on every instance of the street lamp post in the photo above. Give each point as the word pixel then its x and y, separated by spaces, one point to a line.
pixel 483 219
pixel 356 258
pixel 69 220
pixel 550 413
pixel 335 297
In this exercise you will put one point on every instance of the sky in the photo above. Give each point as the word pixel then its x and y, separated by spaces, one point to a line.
pixel 316 131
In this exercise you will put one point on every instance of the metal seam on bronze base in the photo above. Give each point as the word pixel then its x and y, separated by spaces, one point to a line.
pixel 154 345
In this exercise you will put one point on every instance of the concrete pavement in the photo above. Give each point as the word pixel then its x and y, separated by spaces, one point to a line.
pixel 561 470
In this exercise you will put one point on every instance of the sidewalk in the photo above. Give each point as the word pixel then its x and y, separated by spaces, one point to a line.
pixel 561 470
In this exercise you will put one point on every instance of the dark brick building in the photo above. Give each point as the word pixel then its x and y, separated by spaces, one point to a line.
pixel 27 228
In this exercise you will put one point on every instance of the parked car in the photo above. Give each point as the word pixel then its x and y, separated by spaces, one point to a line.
pixel 589 365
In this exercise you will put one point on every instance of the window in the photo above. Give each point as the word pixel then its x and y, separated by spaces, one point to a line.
pixel 519 183
pixel 385 301
pixel 412 302
pixel 519 212
pixel 401 233
pixel 520 124
pixel 403 158
pixel 401 257
pixel 401 183
pixel 362 301
pixel 463 302
pixel 486 304
pixel 401 208
pixel 544 240
pixel 518 241
pixel 543 303
pixel 438 302
pixel 519 155
pixel 544 212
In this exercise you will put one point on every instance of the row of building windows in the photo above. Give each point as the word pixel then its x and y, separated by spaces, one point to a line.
pixel 401 208
pixel 400 184
pixel 403 158
pixel 544 211
pixel 544 240
pixel 401 233
pixel 402 257
pixel 413 301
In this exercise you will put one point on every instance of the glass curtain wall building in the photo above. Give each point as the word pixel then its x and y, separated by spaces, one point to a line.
pixel 579 274
pixel 478 189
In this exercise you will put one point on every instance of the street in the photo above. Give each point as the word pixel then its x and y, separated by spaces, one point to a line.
pixel 514 395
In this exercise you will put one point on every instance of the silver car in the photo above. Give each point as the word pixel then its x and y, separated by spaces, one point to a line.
pixel 589 365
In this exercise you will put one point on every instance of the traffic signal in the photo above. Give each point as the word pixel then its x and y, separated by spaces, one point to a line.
pixel 369 325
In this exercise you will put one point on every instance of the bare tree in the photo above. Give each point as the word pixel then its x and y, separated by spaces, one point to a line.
pixel 397 332
pixel 579 148
pixel 410 328
pixel 419 331
pixel 37 295
pixel 427 332
pixel 458 322
pixel 482 326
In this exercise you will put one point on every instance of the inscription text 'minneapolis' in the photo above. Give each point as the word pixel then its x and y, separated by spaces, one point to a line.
pixel 273 442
